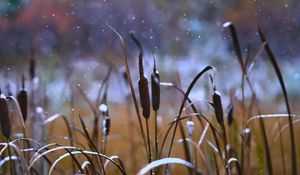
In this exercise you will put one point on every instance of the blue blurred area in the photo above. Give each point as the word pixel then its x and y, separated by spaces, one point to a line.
pixel 71 37
pixel 69 28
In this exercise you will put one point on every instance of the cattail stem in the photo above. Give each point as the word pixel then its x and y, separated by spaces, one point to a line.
pixel 155 135
pixel 148 142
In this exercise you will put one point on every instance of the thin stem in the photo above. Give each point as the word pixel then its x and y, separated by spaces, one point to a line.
pixel 148 142
pixel 156 133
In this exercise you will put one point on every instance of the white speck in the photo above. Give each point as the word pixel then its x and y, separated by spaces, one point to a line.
pixel 53 14
pixel 151 37
pixel 177 38
pixel 78 85
pixel 39 110
pixel 199 36
pixel 103 107
pixel 286 5
pixel 190 127
pixel 78 27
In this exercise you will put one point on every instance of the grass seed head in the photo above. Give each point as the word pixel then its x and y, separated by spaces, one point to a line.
pixel 4 118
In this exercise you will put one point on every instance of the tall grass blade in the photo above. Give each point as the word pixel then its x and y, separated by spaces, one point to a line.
pixel 281 81
pixel 164 161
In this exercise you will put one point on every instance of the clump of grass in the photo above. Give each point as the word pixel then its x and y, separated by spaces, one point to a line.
pixel 92 159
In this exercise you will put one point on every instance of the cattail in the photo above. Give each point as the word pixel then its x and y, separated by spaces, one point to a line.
pixel 143 89
pixel 106 125
pixel 37 129
pixel 104 112
pixel 32 68
pixel 22 99
pixel 247 136
pixel 143 82
pixel 4 116
pixel 218 106
pixel 155 81
pixel 230 114
pixel 190 127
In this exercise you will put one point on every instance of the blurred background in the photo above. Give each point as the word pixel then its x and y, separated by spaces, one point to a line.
pixel 73 46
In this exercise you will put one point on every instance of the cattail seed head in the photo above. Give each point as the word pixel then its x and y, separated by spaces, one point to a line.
pixel 230 114
pixel 144 96
pixel 32 68
pixel 155 81
pixel 143 89
pixel 247 135
pixel 218 106
pixel 143 82
pixel 106 126
pixel 190 127
pixel 4 116
pixel 22 100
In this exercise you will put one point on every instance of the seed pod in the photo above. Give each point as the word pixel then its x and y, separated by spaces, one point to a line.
pixel 230 114
pixel 143 89
pixel 4 116
pixel 32 68
pixel 190 127
pixel 144 96
pixel 247 136
pixel 106 126
pixel 155 81
pixel 22 100
pixel 218 106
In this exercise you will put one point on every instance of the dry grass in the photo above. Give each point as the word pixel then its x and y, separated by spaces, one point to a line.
pixel 108 138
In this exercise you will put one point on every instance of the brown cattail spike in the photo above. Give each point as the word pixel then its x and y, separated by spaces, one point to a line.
pixel 143 89
pixel 230 117
pixel 106 126
pixel 155 81
pixel 23 82
pixel 32 68
pixel 144 96
pixel 4 116
pixel 143 82
pixel 22 100
pixel 218 106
